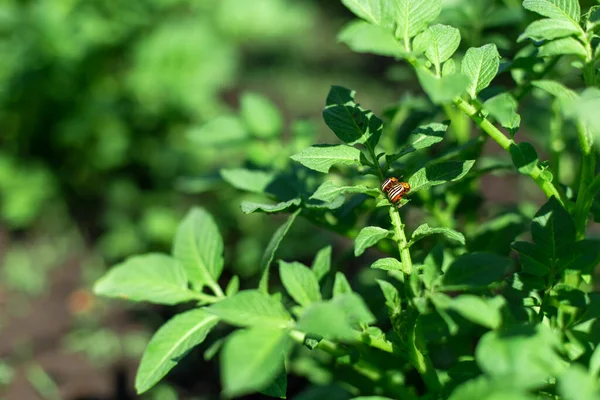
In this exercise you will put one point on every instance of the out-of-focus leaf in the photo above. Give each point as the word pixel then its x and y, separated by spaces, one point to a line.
pixel 252 359
pixel 260 115
pixel 363 37
pixel 476 270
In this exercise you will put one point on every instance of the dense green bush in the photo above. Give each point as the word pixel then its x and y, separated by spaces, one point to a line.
pixel 477 300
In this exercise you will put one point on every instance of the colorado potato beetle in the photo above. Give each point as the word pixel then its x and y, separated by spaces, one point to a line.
pixel 394 189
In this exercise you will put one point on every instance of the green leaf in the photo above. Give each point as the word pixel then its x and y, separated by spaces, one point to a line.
pixel 362 37
pixel 367 237
pixel 556 89
pixel 247 180
pixel 576 384
pixel 478 310
pixel 260 115
pixel 252 359
pixel 564 10
pixel 388 264
pixel 524 157
pixel 480 65
pixel 278 388
pixel 553 229
pixel 354 308
pixel 322 263
pixel 425 230
pixel 267 257
pixel 449 68
pixel 370 398
pixel 595 362
pixel 199 247
pixel 442 90
pixel 440 173
pixel 503 108
pixel 249 308
pixel 415 15
pixel 476 270
pixel 532 258
pixel 300 282
pixel 221 131
pixel 525 356
pixel 170 343
pixel 377 12
pixel 548 29
pixel 426 136
pixel 233 286
pixel 562 46
pixel 326 319
pixel 432 266
pixel 392 297
pixel 249 207
pixel 322 158
pixel 482 388
pixel 156 278
pixel 328 192
pixel 341 285
pixel 348 120
pixel 593 18
pixel 439 43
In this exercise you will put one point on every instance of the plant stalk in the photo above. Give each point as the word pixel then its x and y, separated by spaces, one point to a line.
pixel 547 187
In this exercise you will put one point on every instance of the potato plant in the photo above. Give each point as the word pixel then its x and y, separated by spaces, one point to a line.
pixel 475 302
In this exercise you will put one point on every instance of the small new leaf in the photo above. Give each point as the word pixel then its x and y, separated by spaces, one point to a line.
pixel 439 42
pixel 480 65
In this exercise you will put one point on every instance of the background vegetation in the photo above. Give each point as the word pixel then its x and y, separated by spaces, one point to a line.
pixel 117 117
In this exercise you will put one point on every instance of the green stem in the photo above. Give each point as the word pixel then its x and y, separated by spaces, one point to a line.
pixel 419 359
pixel 206 298
pixel 400 237
pixel 586 178
pixel 547 187
pixel 375 160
